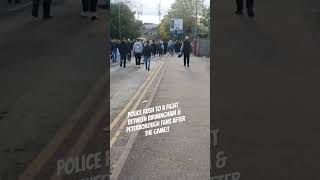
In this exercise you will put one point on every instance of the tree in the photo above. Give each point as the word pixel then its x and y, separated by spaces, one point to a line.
pixel 164 29
pixel 205 21
pixel 186 9
pixel 129 26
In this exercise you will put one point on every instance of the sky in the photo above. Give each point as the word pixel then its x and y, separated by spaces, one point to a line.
pixel 149 8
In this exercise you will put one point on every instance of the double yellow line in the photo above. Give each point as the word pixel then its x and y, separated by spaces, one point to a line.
pixel 43 157
pixel 141 93
pixel 35 166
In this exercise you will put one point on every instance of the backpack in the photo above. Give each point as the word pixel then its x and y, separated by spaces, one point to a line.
pixel 138 48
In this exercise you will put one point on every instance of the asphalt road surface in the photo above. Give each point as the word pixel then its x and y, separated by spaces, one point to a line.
pixel 266 90
pixel 183 152
pixel 124 82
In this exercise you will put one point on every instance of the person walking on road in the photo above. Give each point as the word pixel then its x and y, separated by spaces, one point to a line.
pixel 154 48
pixel 186 49
pixel 114 49
pixel 130 45
pixel 123 49
pixel 46 8
pixel 170 47
pixel 160 48
pixel 178 45
pixel 147 50
pixel 137 51
pixel 89 8
pixel 250 8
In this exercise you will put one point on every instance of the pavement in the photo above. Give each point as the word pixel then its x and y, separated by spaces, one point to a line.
pixel 47 69
pixel 183 152
pixel 265 99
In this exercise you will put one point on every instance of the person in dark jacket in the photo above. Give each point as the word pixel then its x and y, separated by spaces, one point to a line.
pixel 123 49
pixel 249 4
pixel 160 48
pixel 147 50
pixel 46 8
pixel 130 45
pixel 165 46
pixel 175 47
pixel 178 46
pixel 154 48
pixel 186 49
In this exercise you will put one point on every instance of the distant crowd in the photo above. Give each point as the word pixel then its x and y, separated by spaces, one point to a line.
pixel 144 48
pixel 137 47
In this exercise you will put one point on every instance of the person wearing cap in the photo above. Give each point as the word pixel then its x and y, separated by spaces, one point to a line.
pixel 186 50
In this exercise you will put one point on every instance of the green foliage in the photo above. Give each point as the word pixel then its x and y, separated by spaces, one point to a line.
pixel 129 26
pixel 164 30
pixel 186 9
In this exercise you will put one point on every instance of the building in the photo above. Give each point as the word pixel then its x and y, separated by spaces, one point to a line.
pixel 149 30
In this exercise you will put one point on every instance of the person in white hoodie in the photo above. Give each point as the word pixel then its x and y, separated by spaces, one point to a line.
pixel 137 51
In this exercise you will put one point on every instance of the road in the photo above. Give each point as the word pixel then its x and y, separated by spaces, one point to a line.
pixel 47 69
pixel 266 95
pixel 183 152
pixel 124 82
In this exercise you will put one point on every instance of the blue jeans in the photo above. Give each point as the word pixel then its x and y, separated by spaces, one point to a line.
pixel 147 62
pixel 114 56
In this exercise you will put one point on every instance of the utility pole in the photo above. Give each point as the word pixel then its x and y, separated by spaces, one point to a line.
pixel 196 18
pixel 119 20
pixel 159 11
pixel 139 11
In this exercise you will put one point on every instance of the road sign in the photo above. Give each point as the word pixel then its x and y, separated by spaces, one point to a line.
pixel 176 24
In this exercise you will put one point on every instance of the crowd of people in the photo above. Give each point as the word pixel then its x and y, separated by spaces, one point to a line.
pixel 141 48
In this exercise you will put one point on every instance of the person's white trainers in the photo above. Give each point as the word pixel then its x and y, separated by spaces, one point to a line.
pixel 84 14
